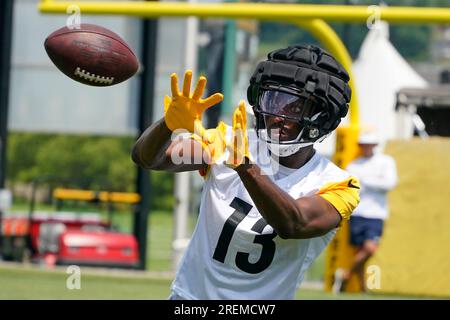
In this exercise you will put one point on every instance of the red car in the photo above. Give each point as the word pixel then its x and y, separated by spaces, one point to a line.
pixel 64 238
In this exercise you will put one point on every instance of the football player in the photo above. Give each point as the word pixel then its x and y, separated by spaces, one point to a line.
pixel 270 204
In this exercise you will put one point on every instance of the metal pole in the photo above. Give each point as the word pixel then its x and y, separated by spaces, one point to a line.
pixel 229 66
pixel 6 21
pixel 262 11
pixel 181 215
pixel 182 179
pixel 215 67
pixel 145 118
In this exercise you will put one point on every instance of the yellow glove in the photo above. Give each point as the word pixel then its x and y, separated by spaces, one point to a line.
pixel 238 146
pixel 217 144
pixel 183 110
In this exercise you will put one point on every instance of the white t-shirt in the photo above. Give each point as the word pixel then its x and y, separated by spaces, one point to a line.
pixel 377 175
pixel 233 252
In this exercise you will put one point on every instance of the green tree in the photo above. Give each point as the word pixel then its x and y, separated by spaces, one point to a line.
pixel 21 156
pixel 90 162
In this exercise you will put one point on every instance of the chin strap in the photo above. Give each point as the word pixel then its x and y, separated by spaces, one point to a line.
pixel 285 150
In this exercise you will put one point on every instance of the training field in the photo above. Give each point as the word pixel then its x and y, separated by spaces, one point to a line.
pixel 21 282
pixel 33 283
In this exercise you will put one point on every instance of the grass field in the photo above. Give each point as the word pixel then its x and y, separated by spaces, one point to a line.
pixel 37 284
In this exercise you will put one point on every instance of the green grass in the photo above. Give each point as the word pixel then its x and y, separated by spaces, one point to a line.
pixel 25 283
pixel 159 244
pixel 312 294
pixel 51 285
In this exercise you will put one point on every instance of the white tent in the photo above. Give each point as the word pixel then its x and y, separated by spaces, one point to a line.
pixel 379 73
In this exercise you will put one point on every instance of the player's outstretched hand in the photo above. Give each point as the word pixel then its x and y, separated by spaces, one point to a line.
pixel 184 110
pixel 238 145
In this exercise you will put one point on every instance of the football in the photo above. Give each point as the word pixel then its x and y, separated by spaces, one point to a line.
pixel 92 55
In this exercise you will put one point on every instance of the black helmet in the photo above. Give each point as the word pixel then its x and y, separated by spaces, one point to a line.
pixel 311 74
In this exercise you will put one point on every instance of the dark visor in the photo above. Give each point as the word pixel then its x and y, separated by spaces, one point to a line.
pixel 286 104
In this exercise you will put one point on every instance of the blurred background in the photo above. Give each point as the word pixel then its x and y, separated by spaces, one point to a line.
pixel 66 173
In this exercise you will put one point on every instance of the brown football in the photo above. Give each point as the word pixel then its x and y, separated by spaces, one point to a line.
pixel 92 55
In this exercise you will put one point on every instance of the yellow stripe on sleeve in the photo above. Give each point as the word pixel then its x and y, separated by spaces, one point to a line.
pixel 343 195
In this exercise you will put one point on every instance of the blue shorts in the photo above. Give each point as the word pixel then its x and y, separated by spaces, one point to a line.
pixel 362 229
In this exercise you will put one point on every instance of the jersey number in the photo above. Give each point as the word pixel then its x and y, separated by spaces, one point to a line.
pixel 242 208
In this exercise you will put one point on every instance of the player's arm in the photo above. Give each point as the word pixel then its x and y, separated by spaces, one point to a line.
pixel 306 217
pixel 157 149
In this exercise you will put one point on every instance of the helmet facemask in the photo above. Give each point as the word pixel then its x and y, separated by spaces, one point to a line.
pixel 288 118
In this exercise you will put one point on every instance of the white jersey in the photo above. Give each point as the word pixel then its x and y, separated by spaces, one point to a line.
pixel 234 253
pixel 377 175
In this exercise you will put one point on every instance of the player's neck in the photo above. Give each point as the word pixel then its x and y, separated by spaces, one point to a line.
pixel 298 160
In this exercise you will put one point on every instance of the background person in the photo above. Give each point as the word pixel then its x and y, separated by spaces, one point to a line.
pixel 377 174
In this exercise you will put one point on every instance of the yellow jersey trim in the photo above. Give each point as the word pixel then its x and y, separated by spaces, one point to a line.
pixel 343 195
